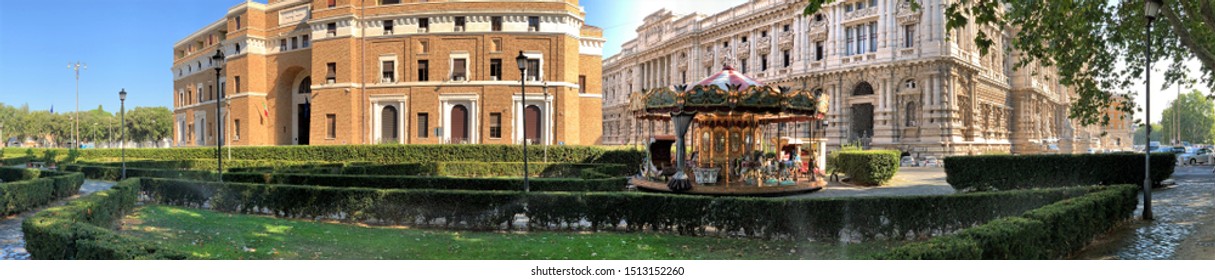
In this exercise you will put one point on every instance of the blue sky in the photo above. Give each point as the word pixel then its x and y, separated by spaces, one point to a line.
pixel 128 44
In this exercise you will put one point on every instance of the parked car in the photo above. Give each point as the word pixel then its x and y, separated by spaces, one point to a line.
pixel 931 161
pixel 1196 157
pixel 907 161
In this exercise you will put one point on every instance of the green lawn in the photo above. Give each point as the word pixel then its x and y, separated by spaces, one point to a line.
pixel 228 236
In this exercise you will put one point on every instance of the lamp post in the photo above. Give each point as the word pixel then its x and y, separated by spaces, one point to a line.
pixel 218 61
pixel 122 98
pixel 76 123
pixel 522 61
pixel 1151 11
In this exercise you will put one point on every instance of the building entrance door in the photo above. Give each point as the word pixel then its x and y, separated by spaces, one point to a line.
pixel 862 122
pixel 305 123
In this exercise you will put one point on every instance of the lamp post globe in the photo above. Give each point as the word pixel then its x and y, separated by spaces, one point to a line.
pixel 218 61
pixel 1151 10
pixel 522 61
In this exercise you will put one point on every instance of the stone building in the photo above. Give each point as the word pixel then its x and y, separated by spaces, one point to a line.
pixel 896 77
pixel 332 72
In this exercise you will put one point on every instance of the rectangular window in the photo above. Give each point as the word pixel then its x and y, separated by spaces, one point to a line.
pixel 236 128
pixel 423 70
pixel 295 43
pixel 496 45
pixel 495 125
pixel 860 6
pixel 307 42
pixel 533 69
pixel 331 126
pixel 237 22
pixel 744 39
pixel 763 34
pixel 581 83
pixel 222 86
pixel 818 51
pixel 389 2
pixel 210 93
pixel 387 27
pixel 331 73
pixel 282 45
pixel 908 36
pixel 459 69
pixel 423 125
pixel 332 3
pixel 236 83
pixel 786 58
pixel 495 69
pixel 459 24
pixel 763 63
pixel 390 72
pixel 873 40
pixel 785 28
pixel 423 24
pixel 331 29
pixel 848 7
pixel 496 23
pixel 533 24
pixel 873 3
pixel 744 65
pixel 862 39
pixel 848 45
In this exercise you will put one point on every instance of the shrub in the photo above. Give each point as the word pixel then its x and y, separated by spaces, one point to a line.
pixel 1050 232
pixel 81 229
pixel 871 168
pixel 1001 172
pixel 846 219
pixel 26 189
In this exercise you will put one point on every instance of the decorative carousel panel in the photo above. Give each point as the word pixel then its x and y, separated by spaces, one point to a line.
pixel 661 100
pixel 706 99
pixel 759 100
pixel 801 102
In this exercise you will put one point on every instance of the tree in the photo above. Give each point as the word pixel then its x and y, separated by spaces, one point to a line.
pixel 1097 46
pixel 1194 114
pixel 1155 134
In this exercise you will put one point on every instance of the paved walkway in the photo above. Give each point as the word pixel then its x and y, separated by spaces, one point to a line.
pixel 12 242
pixel 908 181
pixel 1184 227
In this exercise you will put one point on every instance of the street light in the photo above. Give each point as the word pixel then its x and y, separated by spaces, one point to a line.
pixel 522 60
pixel 218 61
pixel 76 123
pixel 122 98
pixel 1151 11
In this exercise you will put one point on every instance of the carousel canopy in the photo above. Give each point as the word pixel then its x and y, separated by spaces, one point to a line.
pixel 731 93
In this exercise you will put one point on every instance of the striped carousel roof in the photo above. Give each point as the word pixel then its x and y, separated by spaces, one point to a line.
pixel 728 76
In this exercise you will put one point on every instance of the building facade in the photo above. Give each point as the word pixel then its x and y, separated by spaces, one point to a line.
pixel 896 77
pixel 333 72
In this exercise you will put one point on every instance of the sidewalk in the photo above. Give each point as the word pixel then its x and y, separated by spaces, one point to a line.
pixel 1185 222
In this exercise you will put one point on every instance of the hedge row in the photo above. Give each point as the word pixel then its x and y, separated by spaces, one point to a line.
pixel 15 160
pixel 377 153
pixel 1050 232
pixel 846 219
pixel 454 169
pixel 870 168
pixel 25 189
pixel 1005 172
pixel 613 184
pixel 211 164
pixel 82 229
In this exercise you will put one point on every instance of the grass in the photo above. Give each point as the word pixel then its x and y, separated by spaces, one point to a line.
pixel 217 235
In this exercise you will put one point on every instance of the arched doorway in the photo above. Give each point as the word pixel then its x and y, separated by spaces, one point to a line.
pixel 459 124
pixel 532 130
pixel 304 112
pixel 862 114
pixel 389 127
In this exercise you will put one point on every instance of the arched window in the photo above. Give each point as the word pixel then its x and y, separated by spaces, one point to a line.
pixel 909 84
pixel 389 124
pixel 862 89
pixel 911 114
pixel 306 85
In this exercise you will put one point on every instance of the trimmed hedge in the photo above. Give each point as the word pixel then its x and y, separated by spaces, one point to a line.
pixel 1051 232
pixel 211 164
pixel 82 229
pixel 375 153
pixel 844 219
pixel 613 184
pixel 452 169
pixel 26 189
pixel 1005 172
pixel 870 168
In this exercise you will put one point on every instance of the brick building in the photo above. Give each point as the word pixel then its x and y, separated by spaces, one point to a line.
pixel 332 72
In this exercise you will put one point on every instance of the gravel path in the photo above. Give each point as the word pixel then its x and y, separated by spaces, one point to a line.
pixel 12 244
pixel 1183 213
pixel 908 181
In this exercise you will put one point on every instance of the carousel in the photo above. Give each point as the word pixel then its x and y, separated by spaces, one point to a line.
pixel 726 115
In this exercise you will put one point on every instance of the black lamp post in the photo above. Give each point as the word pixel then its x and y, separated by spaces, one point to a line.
pixel 522 60
pixel 218 61
pixel 122 99
pixel 1151 11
